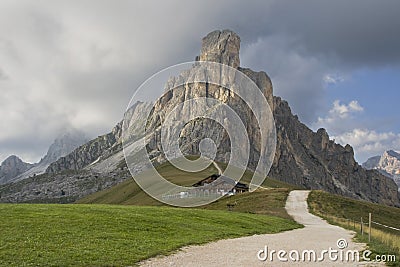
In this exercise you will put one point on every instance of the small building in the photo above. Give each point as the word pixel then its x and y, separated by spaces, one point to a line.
pixel 222 184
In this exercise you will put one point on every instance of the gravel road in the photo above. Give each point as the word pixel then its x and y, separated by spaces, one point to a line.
pixel 317 235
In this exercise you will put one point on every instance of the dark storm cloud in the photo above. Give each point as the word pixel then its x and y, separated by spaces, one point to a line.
pixel 356 32
pixel 353 32
pixel 77 64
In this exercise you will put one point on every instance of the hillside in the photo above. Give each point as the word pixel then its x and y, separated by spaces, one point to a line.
pixel 325 203
pixel 129 193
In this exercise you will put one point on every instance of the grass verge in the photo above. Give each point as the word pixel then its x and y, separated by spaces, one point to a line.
pixel 347 213
pixel 110 235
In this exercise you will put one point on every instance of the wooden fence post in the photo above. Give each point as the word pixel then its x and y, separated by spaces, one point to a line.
pixel 362 227
pixel 369 225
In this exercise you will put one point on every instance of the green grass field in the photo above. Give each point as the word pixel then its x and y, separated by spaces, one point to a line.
pixel 111 235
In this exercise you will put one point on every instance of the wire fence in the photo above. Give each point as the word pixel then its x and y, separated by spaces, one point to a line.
pixel 360 221
pixel 386 226
pixel 386 234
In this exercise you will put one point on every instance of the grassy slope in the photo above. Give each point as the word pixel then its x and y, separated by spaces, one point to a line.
pixel 263 201
pixel 342 207
pixel 129 192
pixel 109 235
pixel 384 241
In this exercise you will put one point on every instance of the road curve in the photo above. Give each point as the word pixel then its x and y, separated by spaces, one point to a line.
pixel 316 235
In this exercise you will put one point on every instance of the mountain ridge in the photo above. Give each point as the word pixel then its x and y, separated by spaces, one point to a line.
pixel 61 146
pixel 303 157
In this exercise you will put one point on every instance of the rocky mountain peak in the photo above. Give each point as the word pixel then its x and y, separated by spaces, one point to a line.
pixel 371 163
pixel 222 47
pixel 391 153
pixel 302 157
pixel 64 145
pixel 11 167
pixel 11 161
pixel 390 162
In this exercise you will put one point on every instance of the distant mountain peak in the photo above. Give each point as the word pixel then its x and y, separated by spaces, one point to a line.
pixel 12 167
pixel 388 164
pixel 392 153
pixel 63 145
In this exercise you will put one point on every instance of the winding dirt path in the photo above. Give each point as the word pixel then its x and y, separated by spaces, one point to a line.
pixel 317 235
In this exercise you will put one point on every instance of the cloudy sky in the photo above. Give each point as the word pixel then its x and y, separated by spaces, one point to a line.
pixel 76 64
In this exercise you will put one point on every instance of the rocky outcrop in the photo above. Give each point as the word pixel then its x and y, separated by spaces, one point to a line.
pixel 390 162
pixel 86 154
pixel 63 187
pixel 222 47
pixel 313 161
pixel 11 168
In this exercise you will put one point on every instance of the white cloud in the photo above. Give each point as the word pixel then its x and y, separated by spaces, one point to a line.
pixel 343 110
pixel 345 127
pixel 71 65
pixel 340 118
pixel 333 78
pixel 369 143
pixel 355 106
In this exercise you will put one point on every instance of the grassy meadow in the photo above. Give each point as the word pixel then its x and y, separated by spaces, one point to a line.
pixel 115 235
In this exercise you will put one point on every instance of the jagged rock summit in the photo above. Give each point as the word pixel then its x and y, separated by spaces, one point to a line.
pixel 303 157
pixel 222 47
